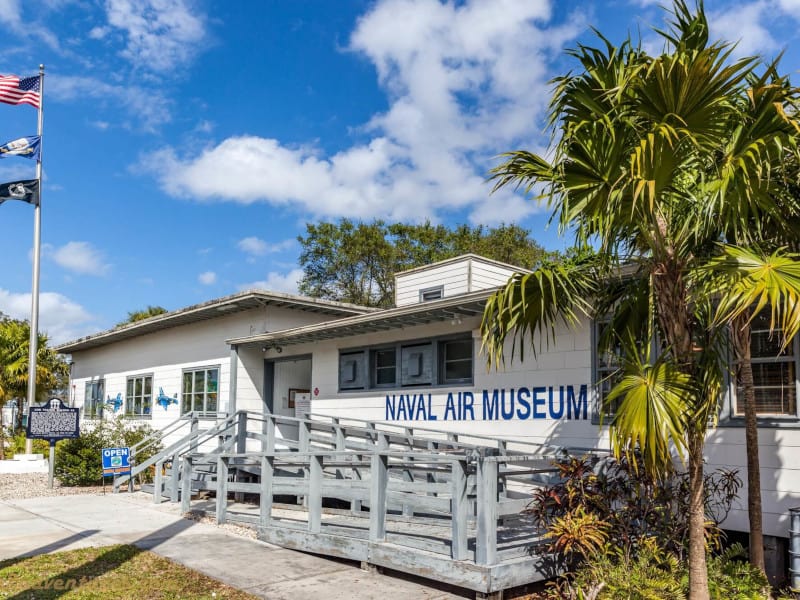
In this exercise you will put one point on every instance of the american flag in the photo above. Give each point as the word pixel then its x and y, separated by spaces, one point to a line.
pixel 14 90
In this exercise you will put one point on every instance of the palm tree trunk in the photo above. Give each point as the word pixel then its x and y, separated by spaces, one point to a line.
pixel 674 318
pixel 698 569
pixel 741 344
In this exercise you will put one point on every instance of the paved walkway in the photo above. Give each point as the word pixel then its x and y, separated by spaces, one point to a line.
pixel 40 525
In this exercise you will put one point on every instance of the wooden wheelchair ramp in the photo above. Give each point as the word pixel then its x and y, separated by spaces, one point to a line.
pixel 448 516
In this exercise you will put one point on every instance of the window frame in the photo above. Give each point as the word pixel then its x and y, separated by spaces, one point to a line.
pixel 97 403
pixel 598 415
pixel 443 360
pixel 205 413
pixel 765 418
pixel 146 414
pixel 373 367
pixel 435 289
pixel 367 354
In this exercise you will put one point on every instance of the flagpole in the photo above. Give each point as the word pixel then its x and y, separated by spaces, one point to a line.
pixel 37 243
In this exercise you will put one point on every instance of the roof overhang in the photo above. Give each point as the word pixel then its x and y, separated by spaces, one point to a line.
pixel 248 300
pixel 447 309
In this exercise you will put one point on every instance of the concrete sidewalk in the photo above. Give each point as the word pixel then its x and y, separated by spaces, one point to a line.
pixel 42 525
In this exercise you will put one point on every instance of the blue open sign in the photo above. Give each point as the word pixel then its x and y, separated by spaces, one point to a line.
pixel 116 461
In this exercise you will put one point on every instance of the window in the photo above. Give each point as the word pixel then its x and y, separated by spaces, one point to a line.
pixel 384 366
pixel 429 294
pixel 416 365
pixel 201 391
pixel 774 371
pixel 139 396
pixel 608 370
pixel 93 400
pixel 456 361
pixel 352 371
pixel 441 361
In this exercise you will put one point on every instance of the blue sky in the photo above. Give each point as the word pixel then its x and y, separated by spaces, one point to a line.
pixel 187 143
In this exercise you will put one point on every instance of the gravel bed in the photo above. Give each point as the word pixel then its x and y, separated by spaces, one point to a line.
pixel 15 486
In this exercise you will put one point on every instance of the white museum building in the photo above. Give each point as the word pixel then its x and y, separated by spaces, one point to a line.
pixel 418 363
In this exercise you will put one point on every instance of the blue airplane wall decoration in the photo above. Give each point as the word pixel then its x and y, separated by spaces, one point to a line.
pixel 165 400
pixel 115 403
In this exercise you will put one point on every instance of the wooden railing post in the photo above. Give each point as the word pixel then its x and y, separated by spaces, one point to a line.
pixel 355 505
pixel 486 537
pixel 339 442
pixel 241 432
pixel 175 471
pixel 186 485
pixel 379 482
pixel 265 504
pixel 314 498
pixel 270 424
pixel 241 447
pixel 304 439
pixel 222 489
pixel 194 427
pixel 158 482
pixel 459 510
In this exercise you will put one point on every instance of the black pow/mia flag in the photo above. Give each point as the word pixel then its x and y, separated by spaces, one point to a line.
pixel 27 191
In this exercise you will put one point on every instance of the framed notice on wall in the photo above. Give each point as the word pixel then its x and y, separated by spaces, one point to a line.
pixel 293 395
pixel 302 404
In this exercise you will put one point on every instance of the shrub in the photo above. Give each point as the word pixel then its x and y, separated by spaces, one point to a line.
pixel 620 499
pixel 657 574
pixel 78 460
pixel 17 446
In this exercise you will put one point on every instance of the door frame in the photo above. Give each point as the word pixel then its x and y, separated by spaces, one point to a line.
pixel 268 396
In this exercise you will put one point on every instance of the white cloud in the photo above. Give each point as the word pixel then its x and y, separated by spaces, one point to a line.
pixel 11 17
pixel 61 318
pixel 98 33
pixel 150 108
pixel 78 257
pixel 277 282
pixel 465 81
pixel 743 23
pixel 207 278
pixel 160 34
pixel 257 247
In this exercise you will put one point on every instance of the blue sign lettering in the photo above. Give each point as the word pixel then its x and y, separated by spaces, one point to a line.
pixel 509 404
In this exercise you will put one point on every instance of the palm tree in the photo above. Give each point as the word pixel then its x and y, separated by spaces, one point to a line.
pixel 51 369
pixel 640 172
pixel 145 313
pixel 748 148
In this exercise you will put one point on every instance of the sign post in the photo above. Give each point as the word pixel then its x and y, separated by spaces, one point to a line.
pixel 54 421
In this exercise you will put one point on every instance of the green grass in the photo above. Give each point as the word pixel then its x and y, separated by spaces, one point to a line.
pixel 105 573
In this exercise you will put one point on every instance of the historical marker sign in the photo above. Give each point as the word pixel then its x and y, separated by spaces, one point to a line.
pixel 54 421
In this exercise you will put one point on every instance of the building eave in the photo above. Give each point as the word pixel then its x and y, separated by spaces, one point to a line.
pixel 446 309
pixel 242 301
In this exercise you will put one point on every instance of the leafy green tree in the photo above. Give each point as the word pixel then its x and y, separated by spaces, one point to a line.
pixel 145 313
pixel 355 262
pixel 51 369
pixel 650 169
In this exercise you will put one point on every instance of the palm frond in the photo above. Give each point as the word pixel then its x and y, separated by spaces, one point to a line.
pixel 748 279
pixel 528 309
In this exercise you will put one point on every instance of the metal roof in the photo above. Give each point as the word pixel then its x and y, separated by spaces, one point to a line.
pixel 465 305
pixel 234 303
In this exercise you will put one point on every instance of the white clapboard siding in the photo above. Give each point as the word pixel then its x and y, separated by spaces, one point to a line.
pixel 459 275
